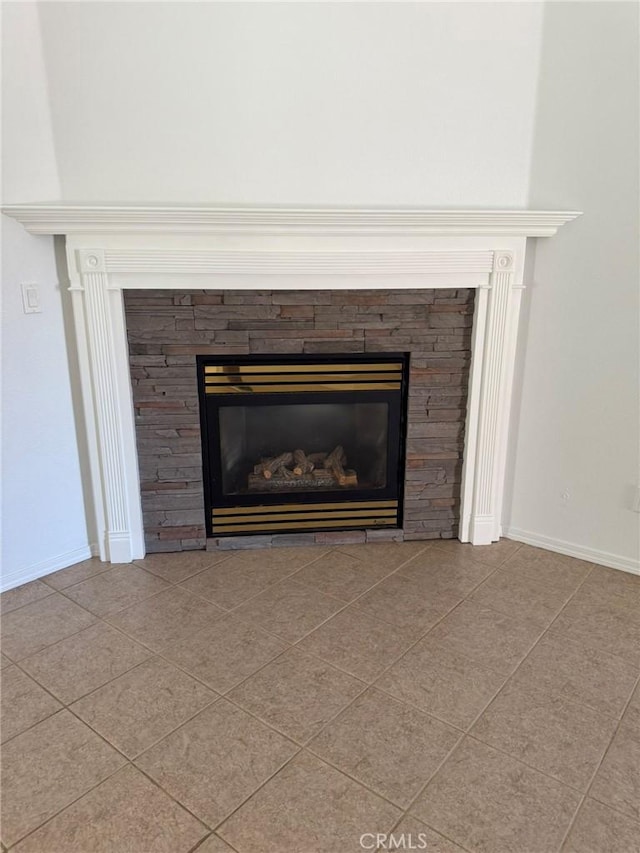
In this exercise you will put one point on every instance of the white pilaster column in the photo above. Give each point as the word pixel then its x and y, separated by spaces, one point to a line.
pixel 494 403
pixel 101 376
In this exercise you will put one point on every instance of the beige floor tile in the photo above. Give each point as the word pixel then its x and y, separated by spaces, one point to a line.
pixel 617 781
pixel 520 596
pixel 114 590
pixel 442 682
pixel 419 836
pixel 402 601
pixel 214 762
pixel 352 640
pixel 388 746
pixel 46 768
pixel 342 575
pixel 21 595
pixel 599 829
pixel 178 566
pixel 166 618
pixel 486 636
pixel 547 732
pixel 126 813
pixel 289 609
pixel 568 668
pixel 74 667
pixel 493 555
pixel 547 567
pixel 38 625
pixel 604 581
pixel 77 573
pixel 246 573
pixel 143 705
pixel 606 625
pixel 307 807
pixel 22 703
pixel 4 661
pixel 225 652
pixel 488 801
pixel 214 844
pixel 446 572
pixel 297 694
pixel 391 554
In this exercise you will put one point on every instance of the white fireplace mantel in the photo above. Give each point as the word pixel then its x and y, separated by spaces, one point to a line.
pixel 112 248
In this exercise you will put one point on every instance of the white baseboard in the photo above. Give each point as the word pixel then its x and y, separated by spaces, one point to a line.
pixel 591 555
pixel 46 567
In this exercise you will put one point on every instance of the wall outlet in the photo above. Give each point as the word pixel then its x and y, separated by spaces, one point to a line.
pixel 565 496
pixel 635 504
pixel 31 299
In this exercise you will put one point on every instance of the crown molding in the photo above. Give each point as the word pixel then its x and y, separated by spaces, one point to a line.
pixel 53 218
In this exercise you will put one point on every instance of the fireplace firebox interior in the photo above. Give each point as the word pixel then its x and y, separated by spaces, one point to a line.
pixel 304 443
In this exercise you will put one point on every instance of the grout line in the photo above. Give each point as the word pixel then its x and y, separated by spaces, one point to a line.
pixel 5 613
pixel 410 816
pixel 438 543
pixel 615 809
pixel 572 822
pixel 611 740
pixel 120 609
pixel 300 743
pixel 69 804
pixel 255 595
pixel 349 775
pixel 253 793
pixel 428 781
pixel 532 767
pixel 202 842
pixel 171 797
pixel 108 568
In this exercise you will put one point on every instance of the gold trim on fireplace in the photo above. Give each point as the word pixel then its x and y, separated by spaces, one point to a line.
pixel 267 527
pixel 296 378
pixel 307 516
pixel 289 389
pixel 265 519
pixel 249 510
pixel 360 367
pixel 235 378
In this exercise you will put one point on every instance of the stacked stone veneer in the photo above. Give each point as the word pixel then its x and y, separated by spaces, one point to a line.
pixel 167 329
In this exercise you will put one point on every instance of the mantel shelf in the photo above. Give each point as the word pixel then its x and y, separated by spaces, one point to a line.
pixel 58 218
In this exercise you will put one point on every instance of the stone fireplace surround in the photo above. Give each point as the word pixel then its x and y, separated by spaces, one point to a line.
pixel 111 249
pixel 166 329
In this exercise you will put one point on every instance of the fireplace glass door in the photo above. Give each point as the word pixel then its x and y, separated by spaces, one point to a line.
pixel 304 443
pixel 303 436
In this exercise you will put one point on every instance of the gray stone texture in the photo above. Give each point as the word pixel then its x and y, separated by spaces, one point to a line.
pixel 167 329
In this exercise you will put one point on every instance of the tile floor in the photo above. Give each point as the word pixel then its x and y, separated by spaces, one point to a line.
pixel 303 700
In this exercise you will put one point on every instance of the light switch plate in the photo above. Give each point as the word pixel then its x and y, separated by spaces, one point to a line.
pixel 31 299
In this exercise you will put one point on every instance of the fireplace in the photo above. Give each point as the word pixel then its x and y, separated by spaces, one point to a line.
pixel 114 249
pixel 302 443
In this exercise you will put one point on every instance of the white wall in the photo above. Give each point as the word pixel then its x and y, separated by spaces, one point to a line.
pixel 29 168
pixel 43 518
pixel 578 422
pixel 312 103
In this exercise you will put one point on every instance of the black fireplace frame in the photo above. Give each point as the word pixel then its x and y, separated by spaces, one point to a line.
pixel 212 403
